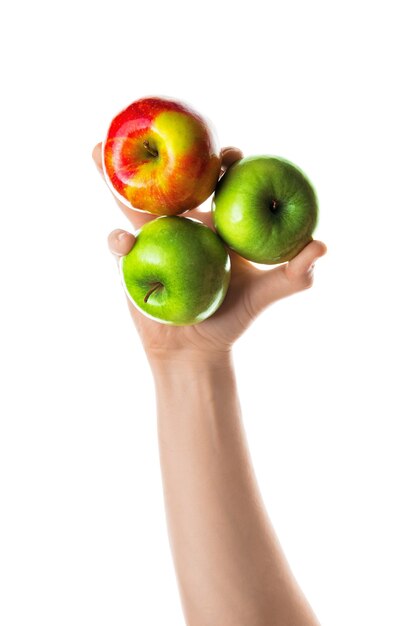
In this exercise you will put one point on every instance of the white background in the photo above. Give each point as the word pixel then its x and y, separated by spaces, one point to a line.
pixel 326 378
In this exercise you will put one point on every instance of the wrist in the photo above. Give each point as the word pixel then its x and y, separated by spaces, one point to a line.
pixel 190 385
pixel 163 360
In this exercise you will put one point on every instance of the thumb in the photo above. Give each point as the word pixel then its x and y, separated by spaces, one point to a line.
pixel 120 242
pixel 289 278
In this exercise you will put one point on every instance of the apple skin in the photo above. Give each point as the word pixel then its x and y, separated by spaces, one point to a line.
pixel 160 156
pixel 177 272
pixel 265 209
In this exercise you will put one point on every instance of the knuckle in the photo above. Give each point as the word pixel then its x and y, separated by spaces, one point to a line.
pixel 307 280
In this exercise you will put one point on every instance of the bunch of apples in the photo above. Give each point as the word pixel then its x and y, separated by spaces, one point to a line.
pixel 160 156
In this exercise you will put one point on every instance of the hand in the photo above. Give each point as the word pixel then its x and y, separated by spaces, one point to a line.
pixel 251 290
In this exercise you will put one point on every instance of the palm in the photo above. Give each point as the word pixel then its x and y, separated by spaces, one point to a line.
pixel 250 290
pixel 219 331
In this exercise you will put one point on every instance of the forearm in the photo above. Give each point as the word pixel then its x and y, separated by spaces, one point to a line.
pixel 230 567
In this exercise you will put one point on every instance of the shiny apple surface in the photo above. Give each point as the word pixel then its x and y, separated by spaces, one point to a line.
pixel 160 156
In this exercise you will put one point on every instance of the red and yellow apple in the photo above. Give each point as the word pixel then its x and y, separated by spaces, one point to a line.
pixel 160 156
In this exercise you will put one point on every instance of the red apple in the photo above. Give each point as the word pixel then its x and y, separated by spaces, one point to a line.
pixel 160 156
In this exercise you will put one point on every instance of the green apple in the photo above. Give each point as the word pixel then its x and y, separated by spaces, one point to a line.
pixel 265 209
pixel 177 272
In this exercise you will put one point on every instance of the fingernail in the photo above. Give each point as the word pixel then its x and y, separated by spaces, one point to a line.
pixel 121 235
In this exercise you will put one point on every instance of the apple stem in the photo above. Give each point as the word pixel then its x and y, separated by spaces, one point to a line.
pixel 275 206
pixel 153 152
pixel 154 288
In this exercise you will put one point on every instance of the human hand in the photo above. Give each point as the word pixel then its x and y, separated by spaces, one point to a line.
pixel 251 289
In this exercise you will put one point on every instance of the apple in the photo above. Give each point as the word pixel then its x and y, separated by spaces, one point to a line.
pixel 265 209
pixel 177 272
pixel 160 156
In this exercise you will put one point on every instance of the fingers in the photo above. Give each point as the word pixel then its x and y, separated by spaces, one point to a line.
pixel 228 156
pixel 97 157
pixel 202 216
pixel 120 242
pixel 284 280
pixel 304 262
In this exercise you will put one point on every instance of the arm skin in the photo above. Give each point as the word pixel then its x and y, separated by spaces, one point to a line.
pixel 231 570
